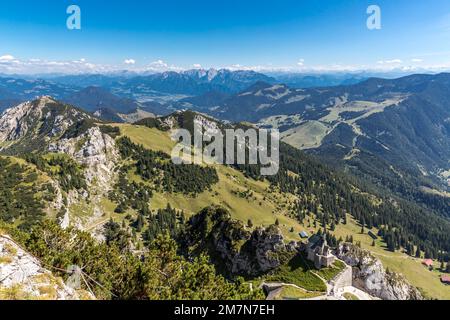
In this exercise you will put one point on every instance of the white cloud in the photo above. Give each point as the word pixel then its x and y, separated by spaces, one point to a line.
pixel 130 61
pixel 159 63
pixel 7 57
pixel 161 66
pixel 10 64
pixel 393 61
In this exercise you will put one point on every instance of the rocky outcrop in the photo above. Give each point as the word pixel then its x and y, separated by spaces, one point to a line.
pixel 370 276
pixel 233 248
pixel 264 251
pixel 98 154
pixel 48 126
pixel 96 151
pixel 23 277
pixel 44 116
pixel 11 126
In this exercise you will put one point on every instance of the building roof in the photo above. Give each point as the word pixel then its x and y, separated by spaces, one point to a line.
pixel 427 262
pixel 316 241
pixel 445 278
pixel 304 234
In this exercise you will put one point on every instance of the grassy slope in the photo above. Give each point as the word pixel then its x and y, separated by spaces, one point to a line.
pixel 260 211
pixel 308 135
pixel 293 293
pixel 271 209
pixel 299 271
pixel 427 281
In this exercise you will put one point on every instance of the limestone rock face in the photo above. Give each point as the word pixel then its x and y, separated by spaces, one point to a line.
pixel 369 275
pixel 261 253
pixel 23 277
pixel 96 151
pixel 98 154
pixel 48 126
pixel 235 249
pixel 25 119
pixel 11 119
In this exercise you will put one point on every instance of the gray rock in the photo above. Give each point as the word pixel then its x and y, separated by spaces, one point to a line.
pixel 24 275
pixel 370 276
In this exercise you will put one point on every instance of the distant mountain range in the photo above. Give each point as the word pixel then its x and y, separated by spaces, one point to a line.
pixel 116 91
pixel 295 80
pixel 14 90
pixel 191 82
pixel 404 123
pixel 94 98
pixel 163 87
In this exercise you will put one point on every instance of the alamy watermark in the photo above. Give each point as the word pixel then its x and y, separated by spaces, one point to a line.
pixel 73 22
pixel 230 146
pixel 374 19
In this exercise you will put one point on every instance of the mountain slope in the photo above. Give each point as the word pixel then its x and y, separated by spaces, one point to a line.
pixel 402 125
pixel 191 82
pixel 117 182
pixel 239 194
pixel 70 146
pixel 94 98
pixel 15 90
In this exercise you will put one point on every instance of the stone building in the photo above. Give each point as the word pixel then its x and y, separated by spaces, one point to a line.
pixel 319 252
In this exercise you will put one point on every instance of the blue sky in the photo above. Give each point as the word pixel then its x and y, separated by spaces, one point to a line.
pixel 264 35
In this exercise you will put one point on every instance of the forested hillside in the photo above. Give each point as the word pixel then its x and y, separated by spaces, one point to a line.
pixel 166 229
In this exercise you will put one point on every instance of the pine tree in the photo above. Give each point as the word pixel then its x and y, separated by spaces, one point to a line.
pixel 418 253
pixel 139 223
pixel 333 226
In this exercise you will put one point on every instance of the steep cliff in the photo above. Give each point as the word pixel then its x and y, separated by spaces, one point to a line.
pixel 370 276
pixel 232 246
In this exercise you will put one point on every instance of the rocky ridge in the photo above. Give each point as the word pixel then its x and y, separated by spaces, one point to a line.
pixel 22 276
pixel 370 276
pixel 48 126
pixel 240 251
